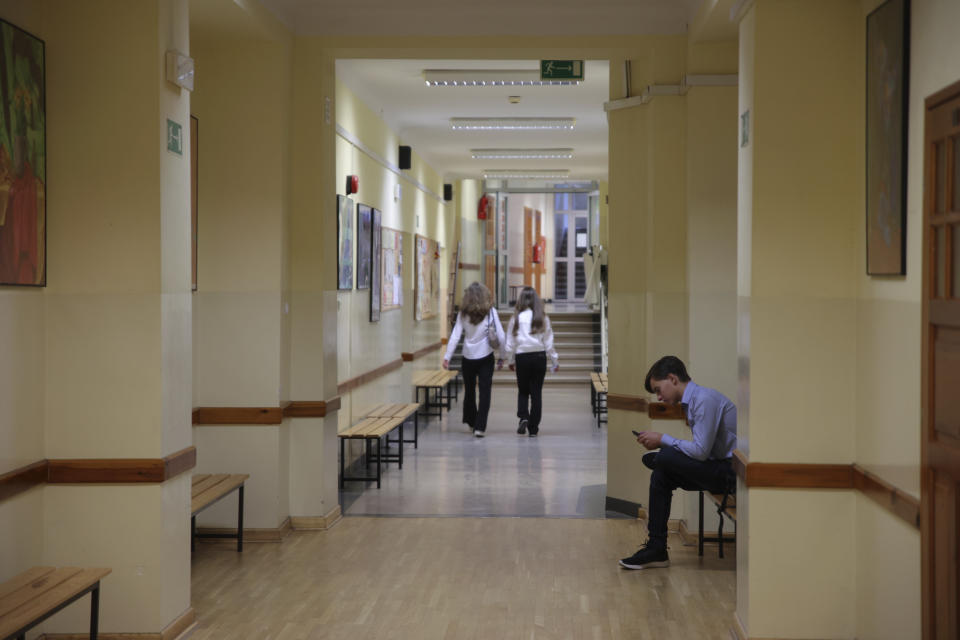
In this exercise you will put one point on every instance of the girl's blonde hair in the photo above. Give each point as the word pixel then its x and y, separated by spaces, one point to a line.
pixel 528 299
pixel 476 303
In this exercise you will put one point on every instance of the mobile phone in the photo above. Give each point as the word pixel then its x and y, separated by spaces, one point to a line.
pixel 636 433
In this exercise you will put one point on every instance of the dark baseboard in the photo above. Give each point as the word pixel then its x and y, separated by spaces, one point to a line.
pixel 625 507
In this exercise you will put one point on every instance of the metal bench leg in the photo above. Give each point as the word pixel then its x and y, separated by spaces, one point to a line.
pixel 416 429
pixel 342 440
pixel 240 522
pixel 400 445
pixel 378 462
pixel 720 511
pixel 193 533
pixel 94 611
pixel 700 542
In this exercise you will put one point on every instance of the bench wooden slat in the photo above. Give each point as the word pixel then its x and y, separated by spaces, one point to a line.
pixel 42 595
pixel 23 579
pixel 201 499
pixel 376 410
pixel 207 480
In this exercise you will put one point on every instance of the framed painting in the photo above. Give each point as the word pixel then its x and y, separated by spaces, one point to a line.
pixel 344 243
pixel 391 260
pixel 194 193
pixel 364 259
pixel 376 241
pixel 888 63
pixel 23 159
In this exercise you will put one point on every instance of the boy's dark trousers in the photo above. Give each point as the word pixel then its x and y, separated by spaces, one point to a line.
pixel 479 370
pixel 673 469
pixel 531 370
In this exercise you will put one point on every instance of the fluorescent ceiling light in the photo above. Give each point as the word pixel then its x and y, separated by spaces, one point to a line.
pixel 528 174
pixel 490 78
pixel 513 124
pixel 521 154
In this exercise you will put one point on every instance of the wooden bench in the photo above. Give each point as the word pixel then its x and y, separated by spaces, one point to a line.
pixel 208 489
pixel 598 396
pixel 372 429
pixel 36 594
pixel 439 383
pixel 726 504
pixel 402 410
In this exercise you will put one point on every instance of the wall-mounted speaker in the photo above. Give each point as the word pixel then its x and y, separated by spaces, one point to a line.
pixel 448 192
pixel 403 158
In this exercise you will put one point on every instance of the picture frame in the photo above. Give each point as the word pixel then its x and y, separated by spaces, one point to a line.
pixel 391 261
pixel 376 241
pixel 364 233
pixel 887 98
pixel 23 159
pixel 344 243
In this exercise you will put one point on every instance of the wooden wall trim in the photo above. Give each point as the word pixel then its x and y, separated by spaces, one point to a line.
pixel 121 470
pixel 894 500
pixel 22 479
pixel 419 353
pixel 237 415
pixel 654 410
pixel 469 265
pixel 444 340
pixel 179 462
pixel 625 402
pixel 828 476
pixel 311 408
pixel 516 270
pixel 790 475
pixel 364 378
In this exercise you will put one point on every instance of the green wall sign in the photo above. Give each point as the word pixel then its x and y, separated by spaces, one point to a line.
pixel 561 69
pixel 174 137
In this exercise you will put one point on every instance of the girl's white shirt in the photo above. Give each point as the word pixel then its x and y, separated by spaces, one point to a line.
pixel 475 342
pixel 526 342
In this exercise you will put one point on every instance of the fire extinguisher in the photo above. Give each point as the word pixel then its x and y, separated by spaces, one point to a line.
pixel 538 250
pixel 483 207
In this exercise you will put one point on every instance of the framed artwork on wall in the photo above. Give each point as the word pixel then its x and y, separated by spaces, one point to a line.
pixel 888 62
pixel 364 262
pixel 375 249
pixel 344 243
pixel 427 278
pixel 23 159
pixel 194 142
pixel 391 261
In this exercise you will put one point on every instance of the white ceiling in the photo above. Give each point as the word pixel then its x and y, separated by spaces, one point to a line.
pixel 489 17
pixel 420 115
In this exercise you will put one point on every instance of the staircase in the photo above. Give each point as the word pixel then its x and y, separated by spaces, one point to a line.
pixel 576 337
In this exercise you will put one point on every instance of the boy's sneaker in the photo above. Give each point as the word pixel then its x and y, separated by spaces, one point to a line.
pixel 648 557
pixel 522 429
pixel 478 433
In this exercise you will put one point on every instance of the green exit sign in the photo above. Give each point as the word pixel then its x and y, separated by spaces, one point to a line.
pixel 174 137
pixel 561 69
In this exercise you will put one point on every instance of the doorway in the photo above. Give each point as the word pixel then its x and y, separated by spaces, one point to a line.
pixel 571 227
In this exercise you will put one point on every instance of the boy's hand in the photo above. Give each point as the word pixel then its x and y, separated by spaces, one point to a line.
pixel 650 439
pixel 512 368
pixel 499 364
pixel 446 363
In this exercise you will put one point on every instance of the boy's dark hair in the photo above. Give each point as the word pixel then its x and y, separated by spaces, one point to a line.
pixel 664 367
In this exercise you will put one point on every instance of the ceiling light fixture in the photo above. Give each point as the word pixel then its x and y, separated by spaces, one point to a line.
pixel 511 124
pixel 527 174
pixel 521 154
pixel 490 78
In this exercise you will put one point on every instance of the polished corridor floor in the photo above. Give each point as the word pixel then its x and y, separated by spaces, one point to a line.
pixel 560 473
pixel 463 577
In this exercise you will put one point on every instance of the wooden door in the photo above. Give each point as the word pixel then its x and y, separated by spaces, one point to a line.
pixel 940 499
pixel 490 252
pixel 539 268
pixel 527 246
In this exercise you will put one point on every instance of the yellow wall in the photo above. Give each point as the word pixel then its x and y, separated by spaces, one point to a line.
pixel 240 306
pixel 22 382
pixel 364 345
pixel 98 363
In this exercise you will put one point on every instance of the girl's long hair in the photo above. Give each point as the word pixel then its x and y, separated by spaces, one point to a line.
pixel 476 303
pixel 528 299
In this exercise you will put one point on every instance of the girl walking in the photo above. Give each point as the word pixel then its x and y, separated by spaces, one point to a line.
pixel 529 342
pixel 479 324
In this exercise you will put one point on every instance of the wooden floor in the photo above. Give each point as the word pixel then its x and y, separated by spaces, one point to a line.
pixel 460 578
